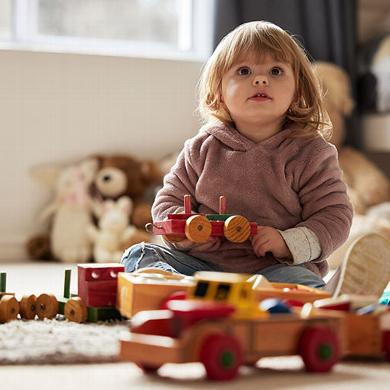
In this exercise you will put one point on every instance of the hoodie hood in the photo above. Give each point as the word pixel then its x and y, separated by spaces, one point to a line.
pixel 232 138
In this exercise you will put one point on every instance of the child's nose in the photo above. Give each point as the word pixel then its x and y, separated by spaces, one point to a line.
pixel 260 80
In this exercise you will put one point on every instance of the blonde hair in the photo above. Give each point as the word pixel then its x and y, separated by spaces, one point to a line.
pixel 262 37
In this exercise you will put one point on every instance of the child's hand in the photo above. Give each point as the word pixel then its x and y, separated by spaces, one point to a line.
pixel 269 239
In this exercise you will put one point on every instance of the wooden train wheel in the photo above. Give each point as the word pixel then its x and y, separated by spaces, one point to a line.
pixel 198 228
pixel 28 307
pixel 9 308
pixel 237 229
pixel 75 310
pixel 46 306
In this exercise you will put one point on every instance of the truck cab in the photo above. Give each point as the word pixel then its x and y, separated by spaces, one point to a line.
pixel 229 288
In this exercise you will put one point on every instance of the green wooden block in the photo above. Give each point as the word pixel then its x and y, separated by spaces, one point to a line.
pixel 218 217
pixel 3 282
pixel 61 304
pixel 96 314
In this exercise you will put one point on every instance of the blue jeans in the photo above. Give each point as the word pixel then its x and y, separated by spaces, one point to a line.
pixel 151 255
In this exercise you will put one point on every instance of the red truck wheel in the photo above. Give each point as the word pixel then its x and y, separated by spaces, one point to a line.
pixel 147 368
pixel 386 344
pixel 319 349
pixel 221 356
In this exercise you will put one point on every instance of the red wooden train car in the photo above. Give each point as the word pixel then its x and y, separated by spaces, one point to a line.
pixel 200 227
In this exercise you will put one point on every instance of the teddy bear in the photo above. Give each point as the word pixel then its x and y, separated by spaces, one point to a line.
pixel 124 175
pixel 113 233
pixel 69 214
pixel 366 184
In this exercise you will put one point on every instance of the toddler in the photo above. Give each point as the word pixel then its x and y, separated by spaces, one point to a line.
pixel 264 148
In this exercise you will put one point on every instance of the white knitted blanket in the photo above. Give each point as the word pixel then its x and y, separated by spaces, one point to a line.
pixel 59 341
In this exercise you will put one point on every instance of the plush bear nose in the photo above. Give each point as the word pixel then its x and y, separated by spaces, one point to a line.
pixel 106 178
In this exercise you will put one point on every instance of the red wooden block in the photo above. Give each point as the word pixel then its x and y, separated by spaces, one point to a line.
pixel 97 283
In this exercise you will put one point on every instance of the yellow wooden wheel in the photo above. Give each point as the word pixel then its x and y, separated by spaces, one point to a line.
pixel 46 306
pixel 75 310
pixel 198 228
pixel 237 229
pixel 28 307
pixel 9 308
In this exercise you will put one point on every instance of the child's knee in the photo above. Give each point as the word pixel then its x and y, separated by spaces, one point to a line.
pixel 132 256
pixel 140 256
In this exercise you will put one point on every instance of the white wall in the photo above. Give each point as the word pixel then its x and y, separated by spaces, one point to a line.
pixel 62 107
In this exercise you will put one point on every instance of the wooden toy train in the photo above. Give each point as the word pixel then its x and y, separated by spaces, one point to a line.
pixel 94 301
pixel 199 227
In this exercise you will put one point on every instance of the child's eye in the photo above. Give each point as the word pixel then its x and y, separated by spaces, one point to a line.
pixel 276 71
pixel 244 71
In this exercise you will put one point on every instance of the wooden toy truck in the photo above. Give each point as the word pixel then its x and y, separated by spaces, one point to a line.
pixel 43 306
pixel 150 288
pixel 199 228
pixel 229 331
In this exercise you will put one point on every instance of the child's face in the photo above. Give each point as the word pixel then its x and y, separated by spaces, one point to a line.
pixel 258 93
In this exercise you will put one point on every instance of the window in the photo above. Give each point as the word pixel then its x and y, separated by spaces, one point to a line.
pixel 201 289
pixel 156 28
pixel 5 19
pixel 222 292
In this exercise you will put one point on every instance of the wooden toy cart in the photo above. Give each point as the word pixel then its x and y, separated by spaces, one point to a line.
pixel 199 227
pixel 229 331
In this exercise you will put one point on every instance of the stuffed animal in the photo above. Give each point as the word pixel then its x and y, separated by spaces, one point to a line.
pixel 71 211
pixel 123 175
pixel 114 232
pixel 367 185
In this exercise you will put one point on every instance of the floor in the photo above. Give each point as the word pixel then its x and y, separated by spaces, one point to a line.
pixel 275 373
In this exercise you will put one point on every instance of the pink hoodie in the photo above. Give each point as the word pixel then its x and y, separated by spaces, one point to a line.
pixel 280 182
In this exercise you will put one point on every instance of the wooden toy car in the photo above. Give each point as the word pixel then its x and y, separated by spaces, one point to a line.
pixel 43 306
pixel 148 288
pixel 229 331
pixel 367 325
pixel 199 228
pixel 96 297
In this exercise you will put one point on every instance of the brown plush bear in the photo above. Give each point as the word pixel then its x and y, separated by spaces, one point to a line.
pixel 367 184
pixel 123 175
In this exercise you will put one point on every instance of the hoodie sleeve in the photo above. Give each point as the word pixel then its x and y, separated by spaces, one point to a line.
pixel 180 181
pixel 326 209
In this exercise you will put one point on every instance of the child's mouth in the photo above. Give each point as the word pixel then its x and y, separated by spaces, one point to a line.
pixel 260 96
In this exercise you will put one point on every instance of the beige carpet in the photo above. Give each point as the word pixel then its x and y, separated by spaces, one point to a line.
pixel 58 341
pixel 275 373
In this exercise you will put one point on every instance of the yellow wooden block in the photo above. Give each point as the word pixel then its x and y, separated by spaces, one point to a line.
pixel 139 291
